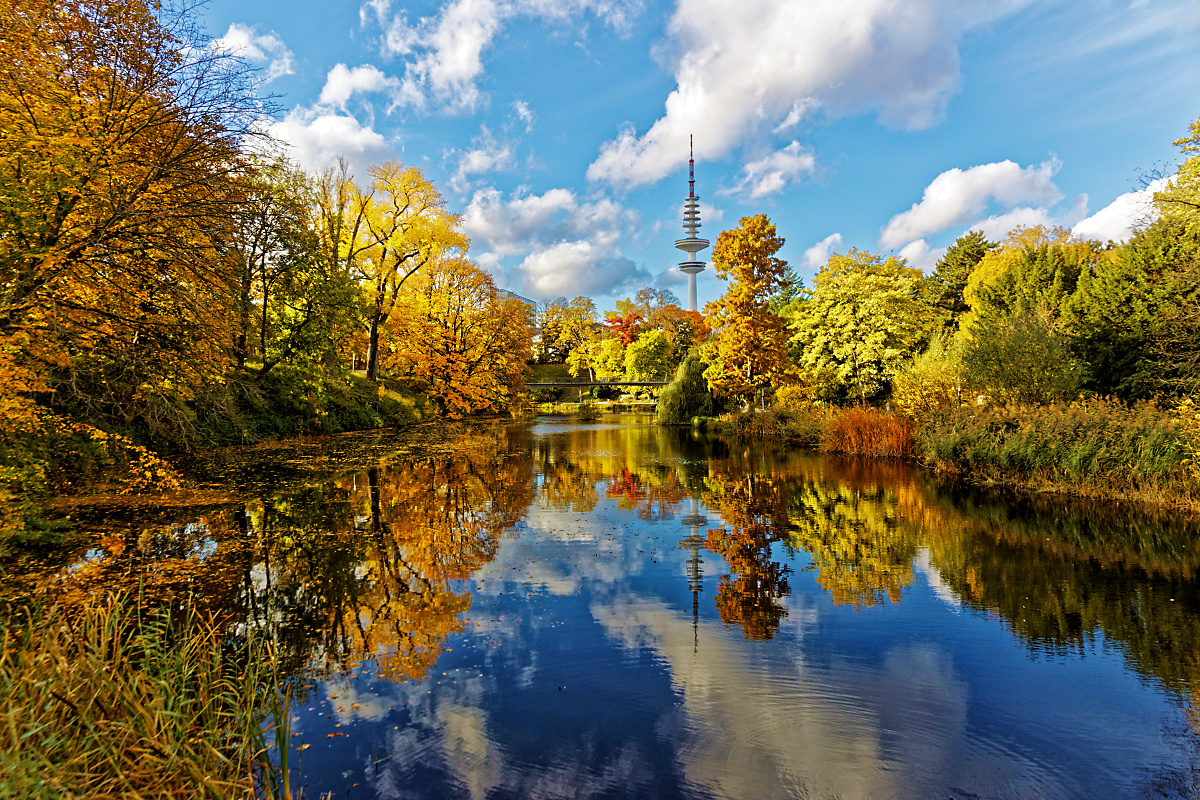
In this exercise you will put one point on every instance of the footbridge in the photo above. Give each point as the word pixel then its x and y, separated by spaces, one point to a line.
pixel 588 383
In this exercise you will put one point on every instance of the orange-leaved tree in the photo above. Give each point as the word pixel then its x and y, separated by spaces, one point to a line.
pixel 461 338
pixel 748 352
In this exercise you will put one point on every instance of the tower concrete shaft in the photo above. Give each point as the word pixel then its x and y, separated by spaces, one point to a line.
pixel 691 224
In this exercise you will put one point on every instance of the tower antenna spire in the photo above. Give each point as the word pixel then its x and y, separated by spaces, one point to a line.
pixel 692 244
pixel 691 168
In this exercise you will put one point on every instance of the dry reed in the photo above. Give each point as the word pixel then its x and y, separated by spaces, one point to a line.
pixel 862 431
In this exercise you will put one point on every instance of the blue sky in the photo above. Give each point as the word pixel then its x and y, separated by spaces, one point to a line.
pixel 559 128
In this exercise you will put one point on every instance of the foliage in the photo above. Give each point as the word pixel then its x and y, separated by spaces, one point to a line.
pixel 106 701
pixel 1022 359
pixel 864 431
pixel 1180 198
pixel 1096 447
pixel 607 357
pixel 649 356
pixel 996 265
pixel 1125 307
pixel 459 338
pixel 944 288
pixel 748 350
pixel 862 321
pixel 390 232
pixel 588 411
pixel 687 395
pixel 934 381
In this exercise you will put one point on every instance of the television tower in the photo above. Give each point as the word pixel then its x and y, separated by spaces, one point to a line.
pixel 691 222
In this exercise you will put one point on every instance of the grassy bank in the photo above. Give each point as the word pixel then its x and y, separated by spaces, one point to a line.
pixel 1096 448
pixel 107 700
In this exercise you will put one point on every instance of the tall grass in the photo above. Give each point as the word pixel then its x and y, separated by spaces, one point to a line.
pixel 851 431
pixel 103 701
pixel 1097 447
pixel 867 432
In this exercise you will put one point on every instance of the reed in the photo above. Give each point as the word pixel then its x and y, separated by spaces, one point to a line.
pixel 105 700
pixel 861 431
pixel 1095 448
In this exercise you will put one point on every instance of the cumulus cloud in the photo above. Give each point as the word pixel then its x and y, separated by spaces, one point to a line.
pixel 319 137
pixel 997 226
pixel 770 175
pixel 552 244
pixel 957 195
pixel 765 64
pixel 265 51
pixel 919 254
pixel 444 53
pixel 815 257
pixel 1123 217
pixel 486 155
pixel 342 83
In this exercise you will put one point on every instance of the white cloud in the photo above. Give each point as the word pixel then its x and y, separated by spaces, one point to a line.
pixel 524 113
pixel 560 246
pixel 996 227
pixel 1123 217
pixel 318 138
pixel 265 51
pixel 772 174
pixel 815 257
pixel 486 155
pixel 760 64
pixel 343 82
pixel 957 195
pixel 444 53
pixel 918 254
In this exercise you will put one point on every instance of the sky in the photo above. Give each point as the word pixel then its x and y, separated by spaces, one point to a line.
pixel 559 129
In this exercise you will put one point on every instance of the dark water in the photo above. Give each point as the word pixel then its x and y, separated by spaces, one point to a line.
pixel 614 609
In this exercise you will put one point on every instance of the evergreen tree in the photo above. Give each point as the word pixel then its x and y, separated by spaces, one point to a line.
pixel 944 288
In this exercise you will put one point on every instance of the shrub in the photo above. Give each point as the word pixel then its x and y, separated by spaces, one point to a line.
pixel 864 431
pixel 1022 359
pixel 932 382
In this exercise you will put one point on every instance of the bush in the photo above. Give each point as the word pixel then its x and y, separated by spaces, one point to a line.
pixel 867 432
pixel 1022 359
pixel 932 382
pixel 687 395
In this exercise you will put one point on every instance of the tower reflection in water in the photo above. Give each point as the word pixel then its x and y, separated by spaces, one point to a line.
pixel 695 521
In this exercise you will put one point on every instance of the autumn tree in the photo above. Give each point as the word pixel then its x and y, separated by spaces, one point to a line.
pixel 748 352
pixel 461 339
pixel 119 142
pixel 649 356
pixel 1180 198
pixel 400 226
pixel 863 320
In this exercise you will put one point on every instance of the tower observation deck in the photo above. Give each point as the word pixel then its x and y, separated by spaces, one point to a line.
pixel 691 223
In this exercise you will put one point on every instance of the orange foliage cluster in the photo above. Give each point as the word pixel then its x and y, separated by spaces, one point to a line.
pixel 864 431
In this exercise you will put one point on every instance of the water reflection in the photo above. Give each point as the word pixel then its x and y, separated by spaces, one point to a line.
pixel 618 608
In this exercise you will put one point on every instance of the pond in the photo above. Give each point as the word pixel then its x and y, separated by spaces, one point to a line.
pixel 615 609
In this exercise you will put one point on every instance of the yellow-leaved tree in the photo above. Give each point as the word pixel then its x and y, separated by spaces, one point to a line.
pixel 462 339
pixel 404 227
pixel 748 352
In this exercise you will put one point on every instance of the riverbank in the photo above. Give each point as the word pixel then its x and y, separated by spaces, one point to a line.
pixel 1095 448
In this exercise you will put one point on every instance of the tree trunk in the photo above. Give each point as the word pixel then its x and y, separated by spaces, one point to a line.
pixel 373 348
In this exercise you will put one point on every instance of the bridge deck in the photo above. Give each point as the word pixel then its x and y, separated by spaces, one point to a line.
pixel 587 383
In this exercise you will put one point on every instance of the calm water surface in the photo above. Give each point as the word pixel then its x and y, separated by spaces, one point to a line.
pixel 613 609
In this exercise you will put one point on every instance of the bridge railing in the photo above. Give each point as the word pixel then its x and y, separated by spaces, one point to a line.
pixel 652 380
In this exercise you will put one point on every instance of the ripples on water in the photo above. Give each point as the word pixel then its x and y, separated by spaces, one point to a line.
pixel 617 609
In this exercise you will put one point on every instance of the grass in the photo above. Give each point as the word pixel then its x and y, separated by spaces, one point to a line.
pixel 106 701
pixel 850 431
pixel 1093 448
pixel 861 431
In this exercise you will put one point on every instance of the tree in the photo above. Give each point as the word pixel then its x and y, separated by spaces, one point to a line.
pixel 119 144
pixel 458 337
pixel 404 226
pixel 749 350
pixel 649 356
pixel 687 395
pixel 862 322
pixel 1023 359
pixel 1180 198
pixel 944 288
pixel 576 331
